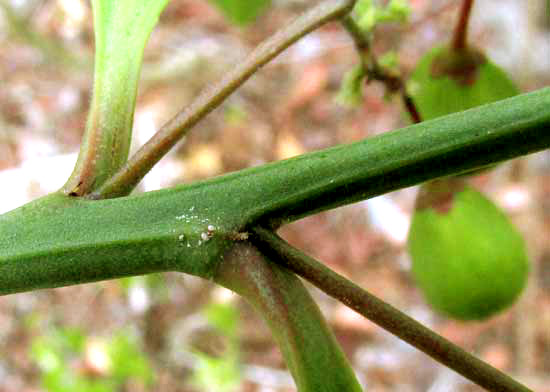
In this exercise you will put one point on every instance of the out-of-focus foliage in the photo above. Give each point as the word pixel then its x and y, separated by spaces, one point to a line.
pixel 70 361
pixel 216 374
pixel 220 373
pixel 369 13
pixel 242 12
pixel 128 362
pixel 351 93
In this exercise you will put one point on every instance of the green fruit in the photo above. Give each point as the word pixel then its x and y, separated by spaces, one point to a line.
pixel 468 259
pixel 447 81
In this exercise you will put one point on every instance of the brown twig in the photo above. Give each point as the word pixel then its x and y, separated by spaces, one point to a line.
pixel 411 107
pixel 461 29
pixel 383 314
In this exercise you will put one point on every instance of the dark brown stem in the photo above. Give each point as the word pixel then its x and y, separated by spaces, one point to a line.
pixel 411 107
pixel 383 314
pixel 461 30
pixel 123 182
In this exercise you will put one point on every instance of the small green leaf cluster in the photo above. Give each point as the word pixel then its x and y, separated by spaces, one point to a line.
pixel 351 91
pixel 368 13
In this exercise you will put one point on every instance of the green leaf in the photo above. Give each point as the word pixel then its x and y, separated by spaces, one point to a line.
pixel 242 12
pixel 122 29
pixel 368 13
pixel 397 11
pixel 446 81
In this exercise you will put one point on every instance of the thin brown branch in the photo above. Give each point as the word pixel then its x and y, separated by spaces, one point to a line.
pixel 383 314
pixel 461 30
pixel 123 182
pixel 410 106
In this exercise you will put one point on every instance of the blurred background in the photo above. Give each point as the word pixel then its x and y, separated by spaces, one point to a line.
pixel 173 332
